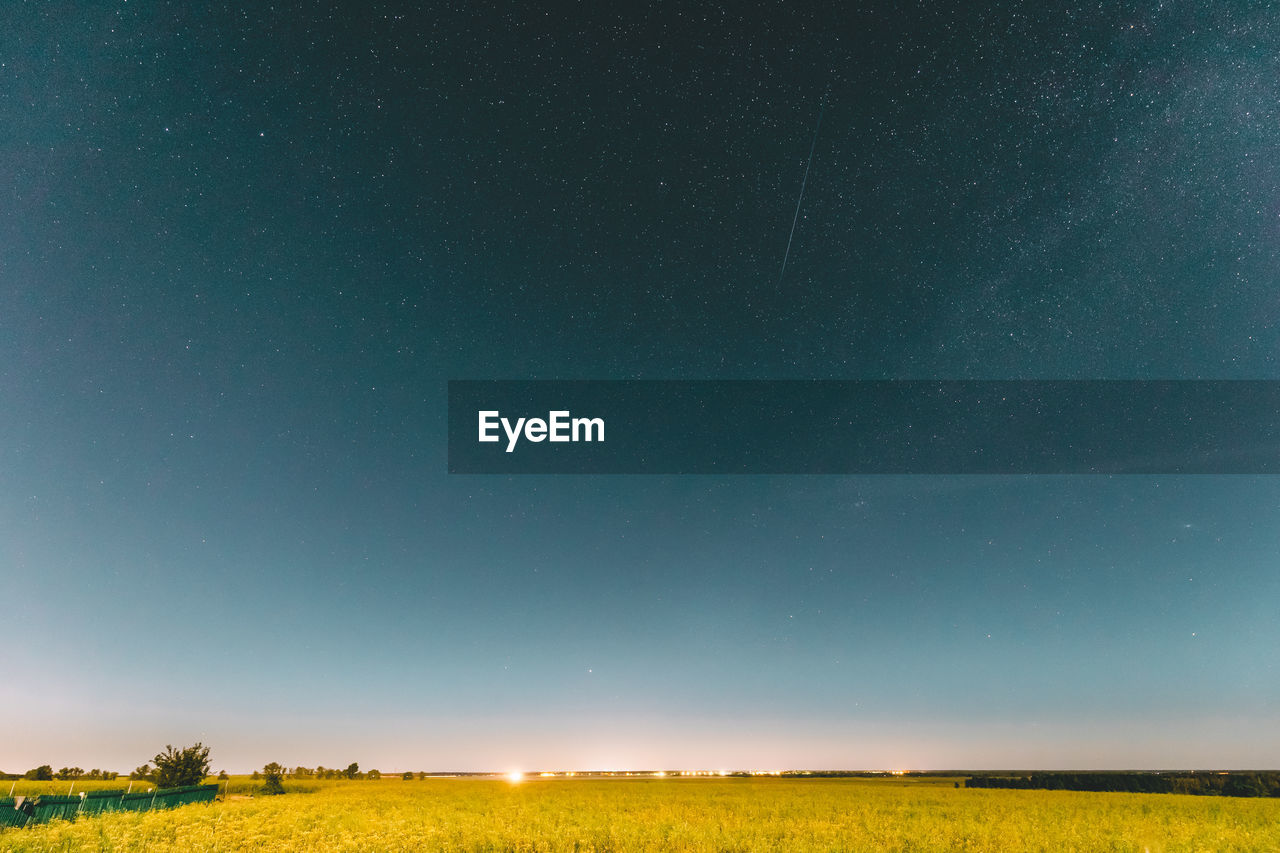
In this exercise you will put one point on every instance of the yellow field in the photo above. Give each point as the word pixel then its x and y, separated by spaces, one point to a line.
pixel 719 815
pixel 28 788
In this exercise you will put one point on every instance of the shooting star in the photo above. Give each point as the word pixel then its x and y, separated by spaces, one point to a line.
pixel 822 105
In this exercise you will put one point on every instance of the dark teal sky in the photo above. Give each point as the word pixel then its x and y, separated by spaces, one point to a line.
pixel 242 252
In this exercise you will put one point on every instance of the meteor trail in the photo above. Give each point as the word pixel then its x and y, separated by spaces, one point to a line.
pixel 821 106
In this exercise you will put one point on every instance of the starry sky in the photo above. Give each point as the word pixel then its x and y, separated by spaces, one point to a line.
pixel 243 249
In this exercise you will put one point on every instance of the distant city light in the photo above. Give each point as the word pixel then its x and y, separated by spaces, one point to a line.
pixel 515 776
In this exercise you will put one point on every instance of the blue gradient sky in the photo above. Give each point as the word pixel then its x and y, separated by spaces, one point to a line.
pixel 245 251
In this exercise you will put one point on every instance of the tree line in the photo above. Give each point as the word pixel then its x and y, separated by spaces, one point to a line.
pixel 190 766
pixel 351 772
pixel 46 773
pixel 1263 783
pixel 322 772
pixel 174 768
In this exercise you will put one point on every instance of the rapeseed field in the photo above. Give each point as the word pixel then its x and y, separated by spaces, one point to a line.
pixel 693 815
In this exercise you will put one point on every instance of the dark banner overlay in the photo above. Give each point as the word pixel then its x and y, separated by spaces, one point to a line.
pixel 864 427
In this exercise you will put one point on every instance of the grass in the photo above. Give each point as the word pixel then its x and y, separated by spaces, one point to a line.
pixel 29 788
pixel 694 815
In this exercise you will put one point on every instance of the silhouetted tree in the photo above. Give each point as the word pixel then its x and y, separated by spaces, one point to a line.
pixel 352 771
pixel 43 773
pixel 178 767
pixel 271 775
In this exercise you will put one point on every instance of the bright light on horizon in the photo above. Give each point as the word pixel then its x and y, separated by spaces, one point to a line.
pixel 515 776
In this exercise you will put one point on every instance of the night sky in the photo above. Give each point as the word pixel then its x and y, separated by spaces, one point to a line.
pixel 242 250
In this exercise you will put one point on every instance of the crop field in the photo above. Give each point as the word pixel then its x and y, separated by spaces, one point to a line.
pixel 675 815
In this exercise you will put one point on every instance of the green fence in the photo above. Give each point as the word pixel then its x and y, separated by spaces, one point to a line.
pixel 139 802
pixel 25 811
pixel 10 812
pixel 96 802
pixel 47 808
pixel 190 794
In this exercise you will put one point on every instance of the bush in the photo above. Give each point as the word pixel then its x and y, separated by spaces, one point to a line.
pixel 271 775
pixel 176 768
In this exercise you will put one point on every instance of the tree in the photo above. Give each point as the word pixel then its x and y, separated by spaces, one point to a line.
pixel 272 774
pixel 69 773
pixel 222 775
pixel 373 774
pixel 352 771
pixel 408 776
pixel 176 768
pixel 142 774
pixel 43 773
